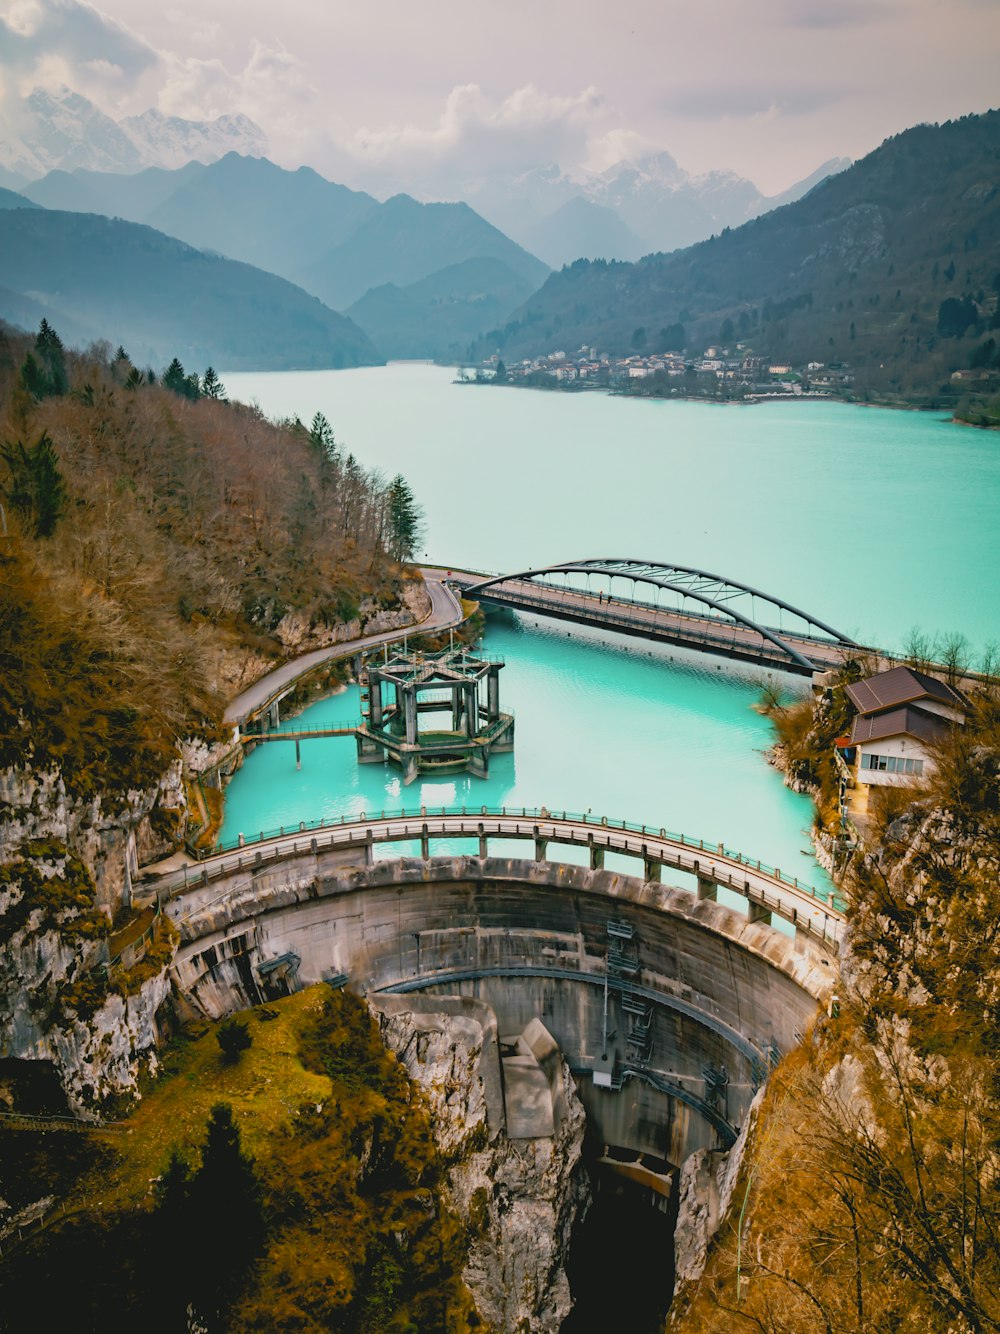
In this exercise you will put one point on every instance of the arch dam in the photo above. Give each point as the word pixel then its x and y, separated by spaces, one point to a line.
pixel 673 604
pixel 670 1006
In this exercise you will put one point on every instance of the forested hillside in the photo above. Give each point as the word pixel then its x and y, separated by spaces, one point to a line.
pixel 868 1199
pixel 162 298
pixel 158 547
pixel 892 266
pixel 334 242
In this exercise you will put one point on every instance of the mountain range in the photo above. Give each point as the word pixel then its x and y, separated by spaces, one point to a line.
pixel 59 129
pixel 336 243
pixel 892 265
pixel 93 276
pixel 632 209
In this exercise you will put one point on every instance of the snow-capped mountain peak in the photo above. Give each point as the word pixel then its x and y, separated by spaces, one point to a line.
pixel 60 128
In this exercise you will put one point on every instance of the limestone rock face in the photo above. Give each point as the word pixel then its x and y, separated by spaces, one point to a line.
pixel 519 1198
pixel 97 1056
pixel 707 1181
pixel 298 632
pixel 36 805
pixel 55 1004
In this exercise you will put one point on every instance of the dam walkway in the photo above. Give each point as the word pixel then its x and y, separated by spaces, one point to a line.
pixel 816 913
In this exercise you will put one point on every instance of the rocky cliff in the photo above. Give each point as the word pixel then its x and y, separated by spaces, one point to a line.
pixel 518 1197
pixel 70 1012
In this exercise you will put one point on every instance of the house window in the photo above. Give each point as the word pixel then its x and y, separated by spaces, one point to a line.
pixel 892 764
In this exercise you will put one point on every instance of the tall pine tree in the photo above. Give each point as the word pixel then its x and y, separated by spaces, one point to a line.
pixel 405 520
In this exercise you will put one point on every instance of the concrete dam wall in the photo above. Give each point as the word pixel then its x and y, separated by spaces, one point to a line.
pixel 722 997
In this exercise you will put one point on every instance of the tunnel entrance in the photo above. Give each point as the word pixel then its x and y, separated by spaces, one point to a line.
pixel 621 1257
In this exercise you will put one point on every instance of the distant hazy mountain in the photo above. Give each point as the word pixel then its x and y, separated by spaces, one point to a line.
pixel 62 129
pixel 581 229
pixel 161 298
pixel 403 241
pixel 334 242
pixel 660 205
pixel 443 313
pixel 24 313
pixel 14 199
pixel 250 209
pixel 892 266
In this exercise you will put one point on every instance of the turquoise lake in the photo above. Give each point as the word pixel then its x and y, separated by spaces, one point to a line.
pixel 874 521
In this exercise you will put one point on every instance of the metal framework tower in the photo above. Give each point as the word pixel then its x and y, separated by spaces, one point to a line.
pixel 402 689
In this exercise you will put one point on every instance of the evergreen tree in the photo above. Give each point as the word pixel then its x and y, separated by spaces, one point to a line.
pixel 52 355
pixel 233 1036
pixel 36 489
pixel 212 386
pixel 44 371
pixel 321 435
pixel 405 520
pixel 174 377
pixel 226 1214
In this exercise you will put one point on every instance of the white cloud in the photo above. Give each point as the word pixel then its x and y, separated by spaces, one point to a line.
pixel 483 135
pixel 36 35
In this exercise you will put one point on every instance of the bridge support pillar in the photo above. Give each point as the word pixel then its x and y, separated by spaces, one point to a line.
pixel 541 846
pixel 707 889
pixel 596 856
pixel 482 842
pixel 652 868
pixel 274 715
pixel 369 849
pixel 493 694
pixel 757 913
pixel 425 843
pixel 410 713
pixel 471 711
pixel 375 703
pixel 456 709
pixel 298 754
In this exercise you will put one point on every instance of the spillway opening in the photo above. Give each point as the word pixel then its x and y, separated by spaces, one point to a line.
pixel 621 1257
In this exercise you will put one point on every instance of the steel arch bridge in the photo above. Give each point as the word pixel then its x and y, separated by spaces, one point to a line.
pixel 710 612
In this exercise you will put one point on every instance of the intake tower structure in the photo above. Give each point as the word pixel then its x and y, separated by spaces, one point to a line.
pixel 398 691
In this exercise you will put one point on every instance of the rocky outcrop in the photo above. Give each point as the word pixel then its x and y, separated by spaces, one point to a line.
pixel 707 1182
pixel 299 632
pixel 65 868
pixel 101 832
pixel 56 1007
pixel 518 1197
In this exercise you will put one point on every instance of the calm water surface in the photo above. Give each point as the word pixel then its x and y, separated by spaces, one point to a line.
pixel 874 521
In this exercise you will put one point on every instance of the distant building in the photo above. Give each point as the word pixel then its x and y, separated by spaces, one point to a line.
pixel 901 714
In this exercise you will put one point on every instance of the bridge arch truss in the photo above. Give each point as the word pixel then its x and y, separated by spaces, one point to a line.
pixel 698 593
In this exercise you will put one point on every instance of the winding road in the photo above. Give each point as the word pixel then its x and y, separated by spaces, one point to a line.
pixel 446 611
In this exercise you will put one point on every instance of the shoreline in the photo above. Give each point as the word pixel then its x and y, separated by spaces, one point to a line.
pixel 751 400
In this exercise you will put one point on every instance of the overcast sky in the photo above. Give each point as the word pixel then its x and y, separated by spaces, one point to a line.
pixel 443 88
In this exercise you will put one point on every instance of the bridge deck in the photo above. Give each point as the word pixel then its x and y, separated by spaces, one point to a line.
pixel 819 914
pixel 707 633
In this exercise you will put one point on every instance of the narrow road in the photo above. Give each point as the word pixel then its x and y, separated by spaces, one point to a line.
pixel 446 611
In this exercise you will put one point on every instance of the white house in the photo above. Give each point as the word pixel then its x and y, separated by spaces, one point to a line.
pixel 902 713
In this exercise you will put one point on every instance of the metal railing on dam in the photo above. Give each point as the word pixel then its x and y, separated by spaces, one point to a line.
pixel 819 914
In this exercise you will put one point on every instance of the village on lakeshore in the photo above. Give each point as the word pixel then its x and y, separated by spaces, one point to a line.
pixel 719 372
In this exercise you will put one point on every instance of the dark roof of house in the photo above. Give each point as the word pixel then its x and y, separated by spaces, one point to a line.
pixel 906 721
pixel 900 685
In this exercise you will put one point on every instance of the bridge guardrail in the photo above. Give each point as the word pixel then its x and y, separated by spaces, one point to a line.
pixel 613 617
pixel 536 815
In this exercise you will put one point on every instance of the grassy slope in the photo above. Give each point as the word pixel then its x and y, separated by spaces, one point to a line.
pixel 357 1236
